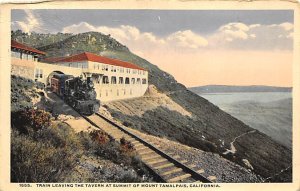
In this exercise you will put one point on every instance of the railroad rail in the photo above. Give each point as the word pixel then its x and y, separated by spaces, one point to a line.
pixel 165 166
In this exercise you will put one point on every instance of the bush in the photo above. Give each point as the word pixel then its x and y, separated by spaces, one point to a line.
pixel 126 146
pixel 127 124
pixel 46 155
pixel 128 176
pixel 28 119
pixel 100 136
pixel 20 100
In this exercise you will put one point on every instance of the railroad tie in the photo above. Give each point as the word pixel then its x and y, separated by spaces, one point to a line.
pixel 184 161
pixel 157 161
pixel 192 166
pixel 151 157
pixel 136 145
pixel 176 157
pixel 200 171
pixel 141 148
pixel 179 178
pixel 134 142
pixel 212 178
pixel 131 139
pixel 146 152
pixel 164 166
pixel 171 171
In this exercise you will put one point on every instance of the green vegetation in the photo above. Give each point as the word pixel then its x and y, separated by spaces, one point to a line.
pixel 37 39
pixel 46 150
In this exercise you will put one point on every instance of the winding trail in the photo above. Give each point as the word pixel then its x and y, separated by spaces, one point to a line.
pixel 277 174
pixel 232 147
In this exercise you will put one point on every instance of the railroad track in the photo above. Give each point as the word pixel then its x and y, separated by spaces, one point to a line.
pixel 167 167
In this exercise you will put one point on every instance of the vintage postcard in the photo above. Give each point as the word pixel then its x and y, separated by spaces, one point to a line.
pixel 150 95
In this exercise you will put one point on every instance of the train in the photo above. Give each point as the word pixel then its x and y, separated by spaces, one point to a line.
pixel 79 93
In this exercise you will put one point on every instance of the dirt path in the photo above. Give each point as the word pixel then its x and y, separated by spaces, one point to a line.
pixel 232 147
pixel 277 174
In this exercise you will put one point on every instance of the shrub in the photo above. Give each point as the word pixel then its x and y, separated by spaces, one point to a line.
pixel 35 119
pixel 20 100
pixel 100 136
pixel 128 176
pixel 46 155
pixel 127 124
pixel 126 146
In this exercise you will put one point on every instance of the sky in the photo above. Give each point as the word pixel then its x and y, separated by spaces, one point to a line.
pixel 198 47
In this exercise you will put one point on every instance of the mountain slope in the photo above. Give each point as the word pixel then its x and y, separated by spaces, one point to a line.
pixel 206 128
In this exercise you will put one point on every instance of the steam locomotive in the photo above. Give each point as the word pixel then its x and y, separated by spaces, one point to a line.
pixel 77 92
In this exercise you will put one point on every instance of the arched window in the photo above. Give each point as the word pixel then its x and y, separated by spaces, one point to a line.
pixel 132 80
pixel 105 80
pixel 113 80
pixel 144 81
pixel 121 81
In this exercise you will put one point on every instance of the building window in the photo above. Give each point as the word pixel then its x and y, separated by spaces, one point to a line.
pixel 41 73
pixel 105 80
pixel 104 67
pixel 30 57
pixel 126 80
pixel 121 80
pixel 144 81
pixel 15 54
pixel 36 75
pixel 113 80
pixel 138 81
pixel 113 69
pixel 132 80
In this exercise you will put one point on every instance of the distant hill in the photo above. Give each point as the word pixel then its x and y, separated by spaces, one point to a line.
pixel 227 89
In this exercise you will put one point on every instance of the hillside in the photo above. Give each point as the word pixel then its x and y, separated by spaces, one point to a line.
pixel 227 89
pixel 45 148
pixel 207 127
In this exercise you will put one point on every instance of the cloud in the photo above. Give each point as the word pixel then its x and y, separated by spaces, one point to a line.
pixel 137 40
pixel 30 24
pixel 229 36
pixel 252 37
pixel 187 39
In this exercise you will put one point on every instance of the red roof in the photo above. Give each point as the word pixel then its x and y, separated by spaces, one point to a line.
pixel 53 59
pixel 15 44
pixel 86 56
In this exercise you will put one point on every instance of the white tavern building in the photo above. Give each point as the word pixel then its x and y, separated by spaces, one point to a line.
pixel 113 79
